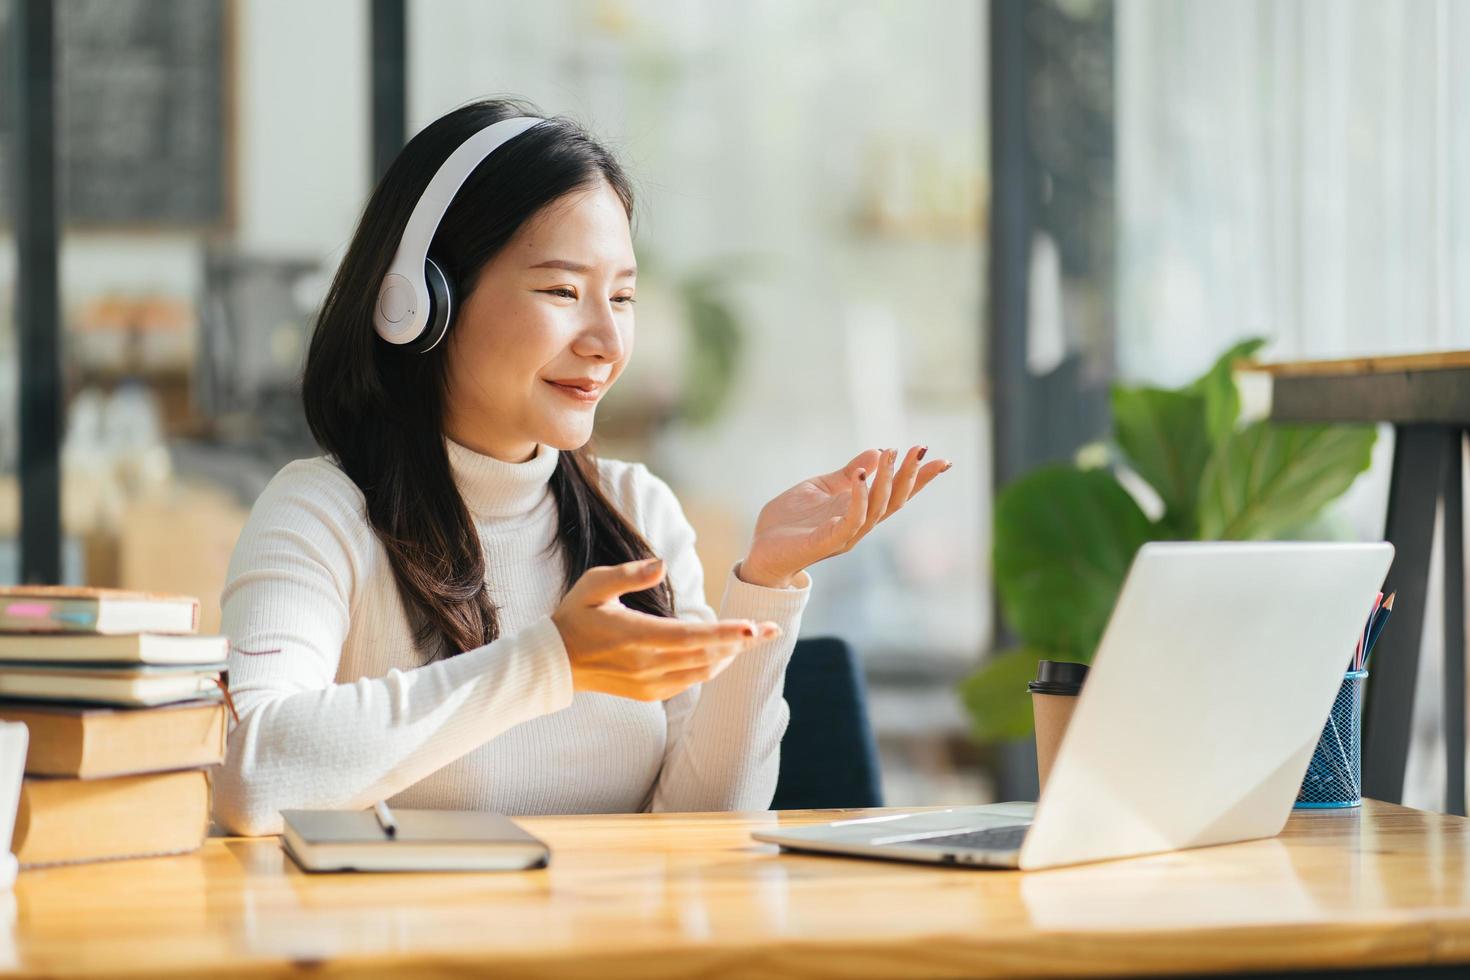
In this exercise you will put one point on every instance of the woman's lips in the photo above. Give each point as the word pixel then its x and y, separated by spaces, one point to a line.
pixel 584 396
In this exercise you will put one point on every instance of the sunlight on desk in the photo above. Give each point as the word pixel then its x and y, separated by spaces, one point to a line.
pixel 693 895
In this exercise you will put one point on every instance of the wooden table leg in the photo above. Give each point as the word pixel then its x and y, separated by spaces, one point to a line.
pixel 1418 475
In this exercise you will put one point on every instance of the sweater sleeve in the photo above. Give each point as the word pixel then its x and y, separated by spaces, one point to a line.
pixel 304 741
pixel 724 736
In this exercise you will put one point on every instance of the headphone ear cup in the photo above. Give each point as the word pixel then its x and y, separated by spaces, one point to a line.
pixel 441 307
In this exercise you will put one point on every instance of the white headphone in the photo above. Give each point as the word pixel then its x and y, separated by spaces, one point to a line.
pixel 415 301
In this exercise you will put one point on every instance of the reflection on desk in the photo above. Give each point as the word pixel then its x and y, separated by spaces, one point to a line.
pixel 635 895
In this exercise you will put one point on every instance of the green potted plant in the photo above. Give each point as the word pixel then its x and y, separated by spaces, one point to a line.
pixel 1065 534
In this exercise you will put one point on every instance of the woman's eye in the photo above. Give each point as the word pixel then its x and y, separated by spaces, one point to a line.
pixel 625 300
pixel 561 291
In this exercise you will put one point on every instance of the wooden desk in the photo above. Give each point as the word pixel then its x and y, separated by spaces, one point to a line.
pixel 1427 398
pixel 692 895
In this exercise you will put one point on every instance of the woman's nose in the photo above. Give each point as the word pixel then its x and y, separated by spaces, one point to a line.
pixel 601 338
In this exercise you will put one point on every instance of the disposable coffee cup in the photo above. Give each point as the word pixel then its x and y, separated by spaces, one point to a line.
pixel 1053 699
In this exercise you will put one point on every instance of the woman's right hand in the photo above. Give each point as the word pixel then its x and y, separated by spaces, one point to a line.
pixel 620 651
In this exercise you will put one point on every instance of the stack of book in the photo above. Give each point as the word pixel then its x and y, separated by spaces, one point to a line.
pixel 123 702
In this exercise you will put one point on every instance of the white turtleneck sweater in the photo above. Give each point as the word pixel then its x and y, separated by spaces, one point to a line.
pixel 337 709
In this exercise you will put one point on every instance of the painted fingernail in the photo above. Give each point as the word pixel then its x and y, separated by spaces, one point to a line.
pixel 922 451
pixel 748 630
pixel 862 474
pixel 946 467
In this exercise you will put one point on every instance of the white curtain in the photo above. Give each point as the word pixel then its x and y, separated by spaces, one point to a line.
pixel 1298 170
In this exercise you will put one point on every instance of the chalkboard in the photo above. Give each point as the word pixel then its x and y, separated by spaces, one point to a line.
pixel 142 116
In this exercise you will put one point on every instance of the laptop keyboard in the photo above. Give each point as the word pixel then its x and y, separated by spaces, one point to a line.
pixel 992 839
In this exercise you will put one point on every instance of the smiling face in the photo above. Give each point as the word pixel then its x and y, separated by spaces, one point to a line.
pixel 546 331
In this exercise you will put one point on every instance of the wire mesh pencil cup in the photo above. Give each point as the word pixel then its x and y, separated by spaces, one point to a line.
pixel 1335 775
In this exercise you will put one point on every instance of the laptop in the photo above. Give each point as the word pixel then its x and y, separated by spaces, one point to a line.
pixel 1203 706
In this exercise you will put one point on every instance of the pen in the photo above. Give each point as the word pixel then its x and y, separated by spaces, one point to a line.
pixel 385 818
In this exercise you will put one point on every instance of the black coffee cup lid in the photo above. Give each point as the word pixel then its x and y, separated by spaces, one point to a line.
pixel 1058 677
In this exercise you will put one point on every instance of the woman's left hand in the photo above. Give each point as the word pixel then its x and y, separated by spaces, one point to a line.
pixel 827 515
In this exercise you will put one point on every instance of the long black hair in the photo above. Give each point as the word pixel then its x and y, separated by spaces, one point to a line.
pixel 379 410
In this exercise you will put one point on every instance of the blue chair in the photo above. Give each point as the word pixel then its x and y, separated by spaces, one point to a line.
pixel 828 757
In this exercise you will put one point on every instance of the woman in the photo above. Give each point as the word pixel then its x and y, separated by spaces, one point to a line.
pixel 457 606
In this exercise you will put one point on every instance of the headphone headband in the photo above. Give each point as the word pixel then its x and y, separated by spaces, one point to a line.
pixel 404 309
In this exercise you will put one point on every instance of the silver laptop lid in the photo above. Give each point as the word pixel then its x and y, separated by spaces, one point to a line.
pixel 1206 697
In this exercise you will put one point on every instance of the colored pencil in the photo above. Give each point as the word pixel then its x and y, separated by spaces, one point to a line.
pixel 1380 621
pixel 1361 649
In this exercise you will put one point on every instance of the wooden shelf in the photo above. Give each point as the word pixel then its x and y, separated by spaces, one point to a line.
pixel 1442 361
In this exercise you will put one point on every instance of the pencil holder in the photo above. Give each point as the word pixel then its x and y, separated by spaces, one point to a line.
pixel 1335 775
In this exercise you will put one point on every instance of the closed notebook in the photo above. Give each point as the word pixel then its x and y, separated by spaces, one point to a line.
pixel 426 840
pixel 95 743
pixel 62 821
pixel 73 609
pixel 136 648
pixel 141 686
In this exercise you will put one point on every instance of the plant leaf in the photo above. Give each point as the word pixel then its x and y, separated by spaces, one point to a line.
pixel 1217 387
pixel 995 696
pixel 1063 541
pixel 1166 437
pixel 1267 477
